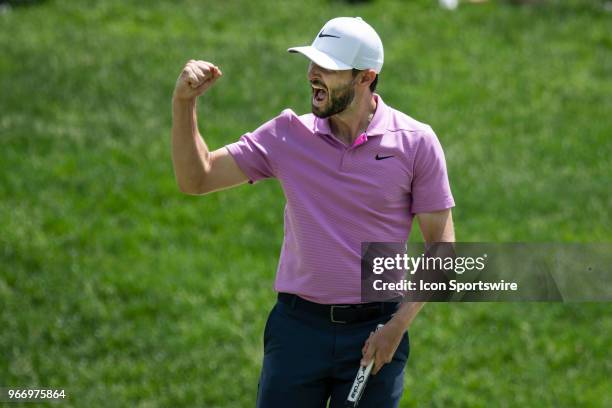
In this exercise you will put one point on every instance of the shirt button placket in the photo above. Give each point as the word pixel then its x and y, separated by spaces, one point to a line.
pixel 345 161
pixel 347 154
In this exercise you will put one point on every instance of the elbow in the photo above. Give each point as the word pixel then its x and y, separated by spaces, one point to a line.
pixel 193 191
pixel 188 190
pixel 191 188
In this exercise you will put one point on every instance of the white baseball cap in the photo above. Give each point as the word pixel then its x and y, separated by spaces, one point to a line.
pixel 345 43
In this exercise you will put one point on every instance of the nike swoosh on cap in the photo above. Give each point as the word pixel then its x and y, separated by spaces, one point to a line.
pixel 321 35
pixel 382 157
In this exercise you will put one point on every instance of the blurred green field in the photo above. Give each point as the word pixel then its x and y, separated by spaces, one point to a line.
pixel 126 293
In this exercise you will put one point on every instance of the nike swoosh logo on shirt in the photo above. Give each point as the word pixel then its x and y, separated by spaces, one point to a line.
pixel 382 157
pixel 321 35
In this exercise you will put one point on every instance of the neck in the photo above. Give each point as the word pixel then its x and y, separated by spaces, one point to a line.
pixel 354 120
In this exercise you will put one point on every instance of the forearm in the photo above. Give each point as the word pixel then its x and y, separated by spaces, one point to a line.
pixel 435 227
pixel 406 314
pixel 190 155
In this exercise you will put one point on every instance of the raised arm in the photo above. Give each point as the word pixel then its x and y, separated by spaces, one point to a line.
pixel 198 170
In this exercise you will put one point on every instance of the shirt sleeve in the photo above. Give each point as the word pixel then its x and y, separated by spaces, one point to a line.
pixel 254 151
pixel 430 187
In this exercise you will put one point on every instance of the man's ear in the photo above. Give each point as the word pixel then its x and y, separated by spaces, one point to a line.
pixel 367 77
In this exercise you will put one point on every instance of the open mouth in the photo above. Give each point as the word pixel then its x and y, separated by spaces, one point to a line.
pixel 319 95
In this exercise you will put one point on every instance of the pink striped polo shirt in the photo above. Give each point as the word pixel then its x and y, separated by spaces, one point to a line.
pixel 339 196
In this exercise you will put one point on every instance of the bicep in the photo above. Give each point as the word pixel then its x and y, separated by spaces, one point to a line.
pixel 437 226
pixel 223 172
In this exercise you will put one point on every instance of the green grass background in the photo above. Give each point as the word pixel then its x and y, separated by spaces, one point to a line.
pixel 126 293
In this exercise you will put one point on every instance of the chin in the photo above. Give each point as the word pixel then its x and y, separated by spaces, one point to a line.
pixel 321 114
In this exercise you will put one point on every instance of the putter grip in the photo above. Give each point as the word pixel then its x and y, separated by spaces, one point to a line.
pixel 359 384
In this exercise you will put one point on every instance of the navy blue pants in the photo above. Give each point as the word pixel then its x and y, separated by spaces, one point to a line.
pixel 310 361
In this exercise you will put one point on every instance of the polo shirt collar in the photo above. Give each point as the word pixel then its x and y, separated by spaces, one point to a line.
pixel 321 126
pixel 378 125
pixel 380 121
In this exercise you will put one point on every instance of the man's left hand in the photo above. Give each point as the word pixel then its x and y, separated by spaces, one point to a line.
pixel 382 344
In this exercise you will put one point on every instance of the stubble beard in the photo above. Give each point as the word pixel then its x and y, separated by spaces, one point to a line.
pixel 339 100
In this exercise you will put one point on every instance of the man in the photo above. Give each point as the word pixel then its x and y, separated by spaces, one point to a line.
pixel 355 170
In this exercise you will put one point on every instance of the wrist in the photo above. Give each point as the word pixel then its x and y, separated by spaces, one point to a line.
pixel 177 100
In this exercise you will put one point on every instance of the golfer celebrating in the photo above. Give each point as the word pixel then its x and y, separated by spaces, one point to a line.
pixel 354 170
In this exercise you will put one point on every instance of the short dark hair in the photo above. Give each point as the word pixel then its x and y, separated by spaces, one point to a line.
pixel 374 82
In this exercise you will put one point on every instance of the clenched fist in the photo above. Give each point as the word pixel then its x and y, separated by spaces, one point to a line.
pixel 195 78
